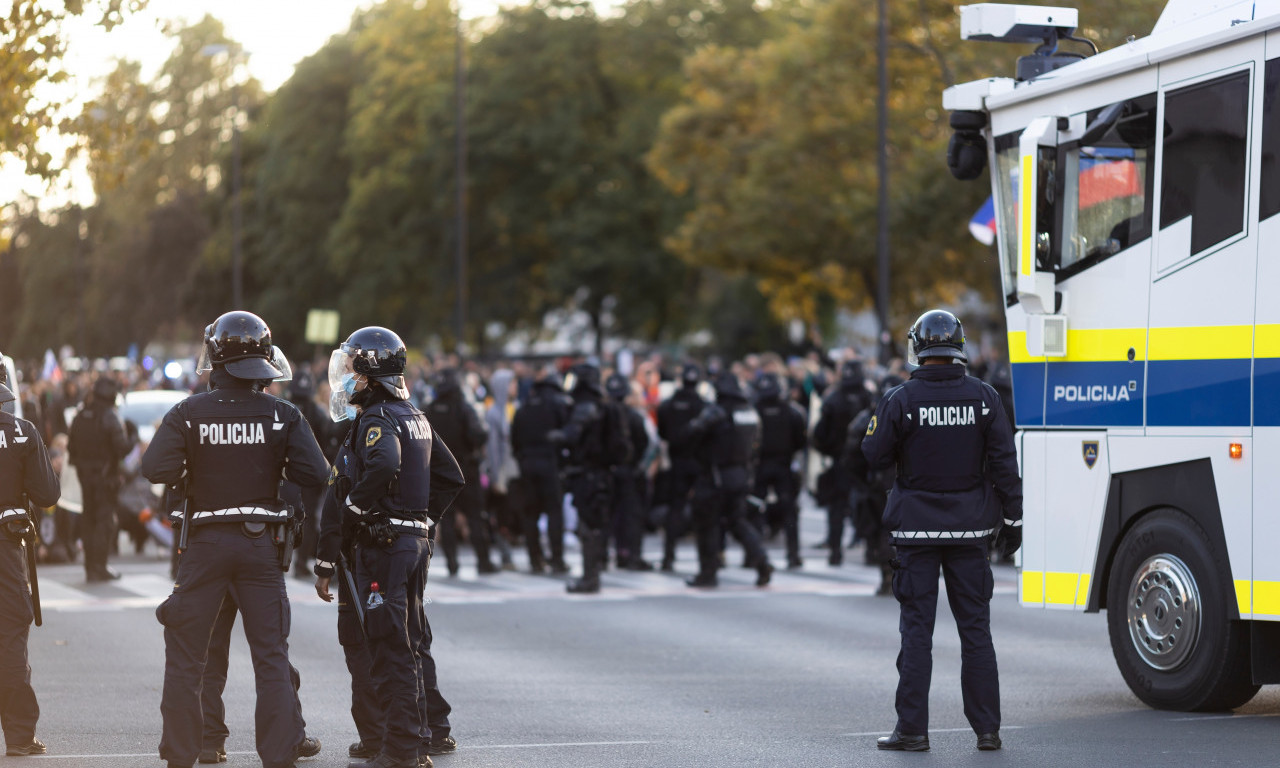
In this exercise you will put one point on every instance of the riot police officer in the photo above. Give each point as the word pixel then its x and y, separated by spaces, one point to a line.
pixel 838 409
pixel 674 415
pixel 728 434
pixel 546 411
pixel 629 482
pixel 398 481
pixel 459 426
pixel 96 444
pixel 231 446
pixel 949 437
pixel 783 434
pixel 26 477
pixel 598 440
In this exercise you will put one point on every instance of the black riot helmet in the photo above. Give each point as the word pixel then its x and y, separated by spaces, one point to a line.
pixel 936 333
pixel 583 377
pixel 690 375
pixel 852 374
pixel 767 388
pixel 6 394
pixel 727 387
pixel 378 354
pixel 240 342
pixel 105 389
pixel 617 387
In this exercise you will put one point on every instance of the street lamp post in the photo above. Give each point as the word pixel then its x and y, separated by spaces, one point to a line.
pixel 882 173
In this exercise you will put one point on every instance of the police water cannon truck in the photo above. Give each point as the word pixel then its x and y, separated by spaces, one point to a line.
pixel 1136 194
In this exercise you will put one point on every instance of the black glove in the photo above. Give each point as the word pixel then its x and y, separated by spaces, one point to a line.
pixel 1009 540
pixel 710 414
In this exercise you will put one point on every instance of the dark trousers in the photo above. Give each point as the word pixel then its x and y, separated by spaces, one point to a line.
pixel 18 708
pixel 97 523
pixel 543 496
pixel 915 583
pixel 220 561
pixel 366 710
pixel 776 474
pixel 215 677
pixel 593 492
pixel 470 502
pixel 395 634
pixel 724 504
pixel 684 475
pixel 628 515
pixel 838 510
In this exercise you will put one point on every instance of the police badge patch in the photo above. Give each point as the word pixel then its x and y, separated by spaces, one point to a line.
pixel 871 428
pixel 372 436
pixel 1090 449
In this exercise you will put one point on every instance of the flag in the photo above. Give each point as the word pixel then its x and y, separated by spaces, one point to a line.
pixel 51 370
pixel 983 224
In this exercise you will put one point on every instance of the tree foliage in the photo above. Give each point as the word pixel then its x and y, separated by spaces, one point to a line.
pixel 32 44
pixel 677 165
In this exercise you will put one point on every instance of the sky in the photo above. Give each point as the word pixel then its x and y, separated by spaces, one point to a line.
pixel 276 34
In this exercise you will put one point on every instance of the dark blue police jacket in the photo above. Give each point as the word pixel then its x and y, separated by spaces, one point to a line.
pixel 957 466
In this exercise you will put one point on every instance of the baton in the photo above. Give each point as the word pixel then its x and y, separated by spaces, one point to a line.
pixel 349 579
pixel 29 552
pixel 185 533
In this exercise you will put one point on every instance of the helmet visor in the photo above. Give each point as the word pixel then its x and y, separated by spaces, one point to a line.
pixel 205 364
pixel 339 401
pixel 913 359
pixel 281 361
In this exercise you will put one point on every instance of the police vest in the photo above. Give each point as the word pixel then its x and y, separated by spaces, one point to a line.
pixel 736 443
pixel 409 493
pixel 674 414
pixel 943 446
pixel 235 444
pixel 15 442
pixel 775 430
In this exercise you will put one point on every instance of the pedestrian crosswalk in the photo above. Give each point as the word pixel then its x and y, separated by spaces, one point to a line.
pixel 145 583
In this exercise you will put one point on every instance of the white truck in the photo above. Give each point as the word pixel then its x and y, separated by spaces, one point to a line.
pixel 1136 193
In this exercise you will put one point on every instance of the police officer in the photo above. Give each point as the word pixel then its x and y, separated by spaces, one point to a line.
pixel 629 481
pixel 829 434
pixel 26 477
pixel 97 443
pixel 947 433
pixel 546 410
pixel 397 482
pixel 674 415
pixel 459 426
pixel 232 445
pixel 783 434
pixel 728 434
pixel 597 439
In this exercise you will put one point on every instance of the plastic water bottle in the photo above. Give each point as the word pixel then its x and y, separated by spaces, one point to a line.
pixel 375 597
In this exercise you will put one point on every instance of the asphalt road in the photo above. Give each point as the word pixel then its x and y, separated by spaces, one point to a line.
pixel 648 673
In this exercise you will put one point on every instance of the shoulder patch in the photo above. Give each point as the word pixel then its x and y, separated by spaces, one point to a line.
pixel 372 436
pixel 871 427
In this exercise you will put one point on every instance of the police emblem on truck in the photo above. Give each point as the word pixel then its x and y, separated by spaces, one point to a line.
pixel 1090 449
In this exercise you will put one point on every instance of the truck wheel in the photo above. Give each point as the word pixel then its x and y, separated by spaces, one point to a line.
pixel 1168 618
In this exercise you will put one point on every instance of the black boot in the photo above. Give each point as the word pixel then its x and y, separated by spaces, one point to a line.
pixel 591 553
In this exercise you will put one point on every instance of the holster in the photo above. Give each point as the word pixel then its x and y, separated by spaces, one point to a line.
pixel 285 535
pixel 375 530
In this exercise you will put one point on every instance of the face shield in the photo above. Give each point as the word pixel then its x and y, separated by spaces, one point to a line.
pixel 342 385
pixel 570 381
pixel 281 361
pixel 913 359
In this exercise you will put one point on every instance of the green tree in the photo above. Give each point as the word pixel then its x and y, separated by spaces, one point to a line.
pixel 32 44
pixel 775 147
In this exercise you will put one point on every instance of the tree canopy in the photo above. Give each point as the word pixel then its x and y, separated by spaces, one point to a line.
pixel 674 166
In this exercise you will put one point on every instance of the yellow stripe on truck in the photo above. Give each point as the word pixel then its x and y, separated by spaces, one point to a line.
pixel 1033 587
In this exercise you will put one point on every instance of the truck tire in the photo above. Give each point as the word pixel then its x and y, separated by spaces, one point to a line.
pixel 1169 619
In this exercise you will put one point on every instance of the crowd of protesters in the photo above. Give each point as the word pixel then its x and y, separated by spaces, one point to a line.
pixel 499 514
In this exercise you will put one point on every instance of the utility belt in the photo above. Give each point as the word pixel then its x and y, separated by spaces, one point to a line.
pixel 378 528
pixel 15 524
pixel 284 527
